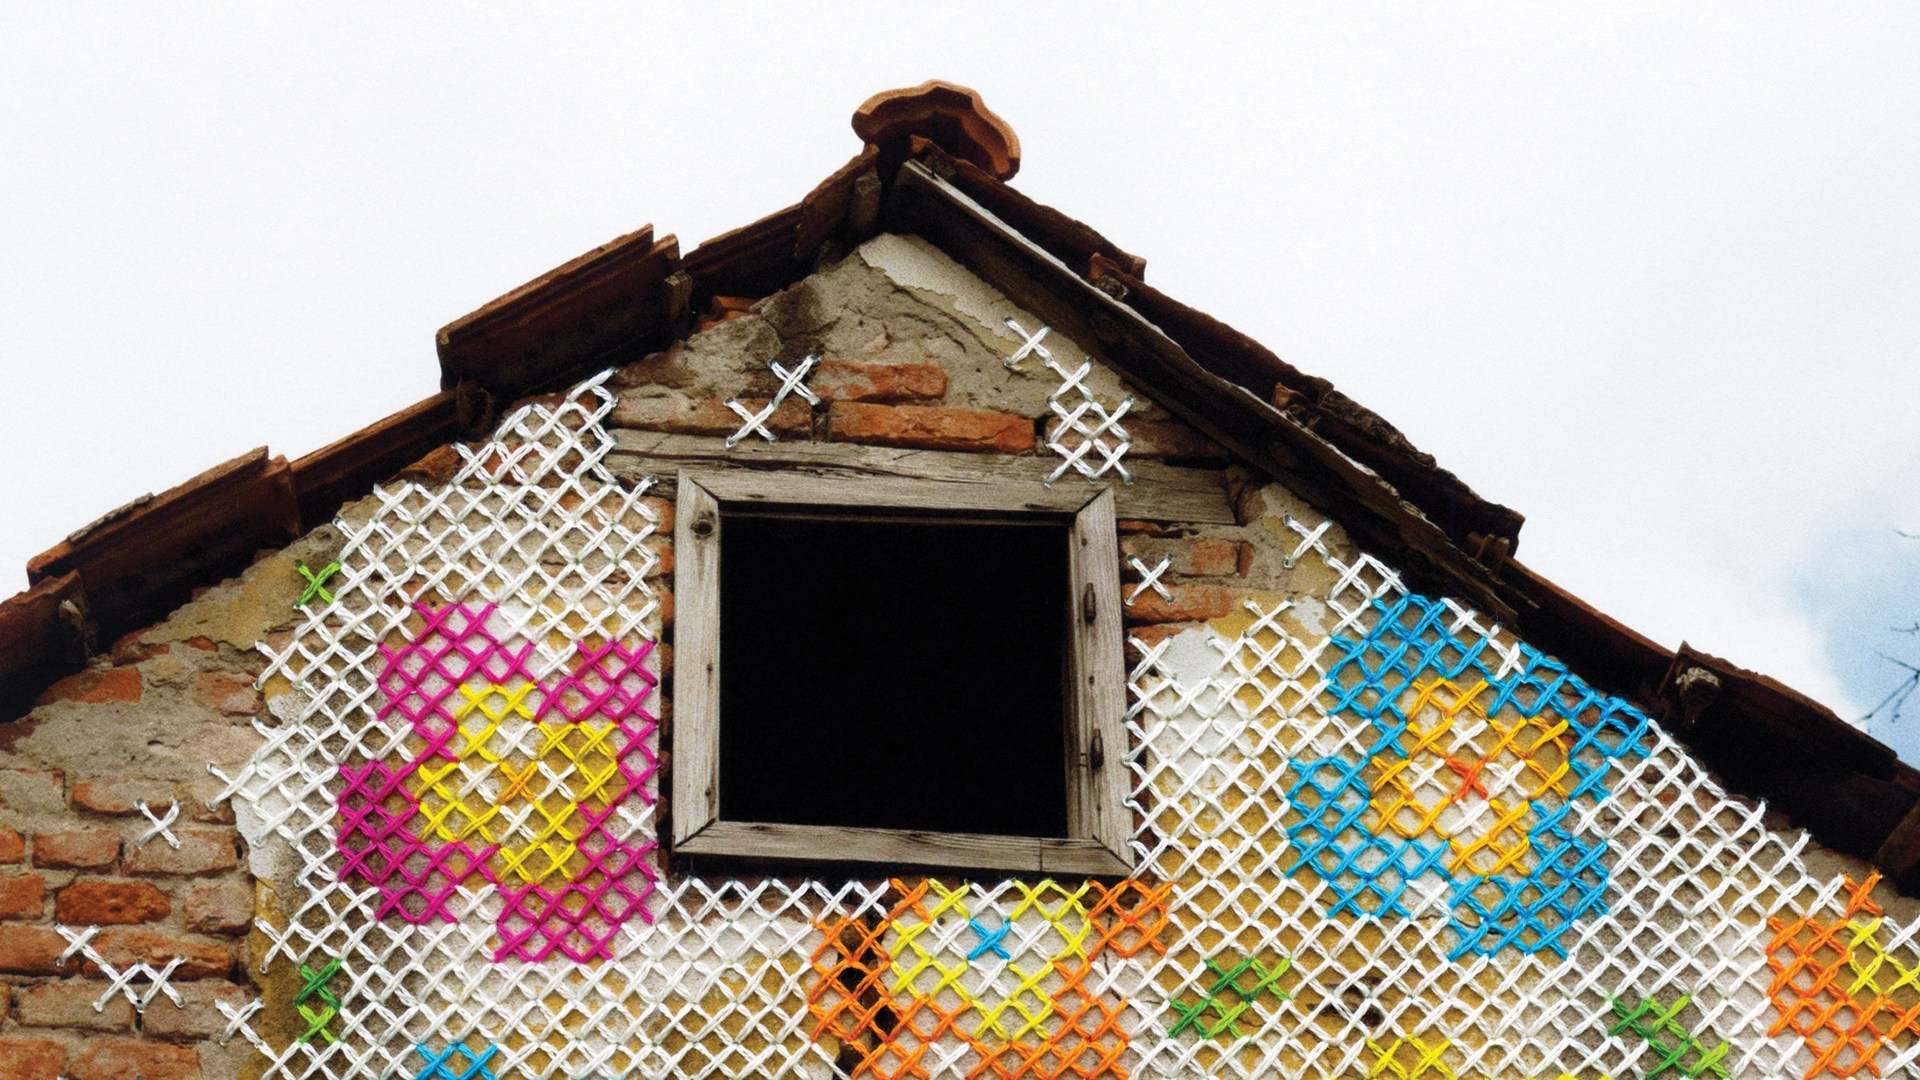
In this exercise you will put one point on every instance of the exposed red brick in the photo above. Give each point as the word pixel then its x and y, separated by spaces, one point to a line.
pixel 23 896
pixel 6 998
pixel 76 849
pixel 131 650
pixel 95 687
pixel 31 1059
pixel 91 901
pixel 220 907
pixel 127 1059
pixel 68 1003
pixel 708 416
pixel 32 950
pixel 662 513
pixel 1150 636
pixel 216 814
pixel 200 851
pixel 662 548
pixel 1127 526
pixel 1188 603
pixel 226 693
pixel 204 644
pixel 844 380
pixel 1206 557
pixel 120 794
pixel 198 1014
pixel 1163 440
pixel 925 427
pixel 122 948
pixel 437 467
pixel 13 846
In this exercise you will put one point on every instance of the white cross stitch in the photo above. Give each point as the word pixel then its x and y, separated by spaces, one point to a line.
pixel 790 383
pixel 1097 427
pixel 160 825
pixel 1149 579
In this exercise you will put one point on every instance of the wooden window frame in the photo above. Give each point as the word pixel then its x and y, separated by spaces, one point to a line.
pixel 1099 822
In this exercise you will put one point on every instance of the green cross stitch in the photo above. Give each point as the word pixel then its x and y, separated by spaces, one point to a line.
pixel 316 583
pixel 316 987
pixel 1686 1056
pixel 1233 984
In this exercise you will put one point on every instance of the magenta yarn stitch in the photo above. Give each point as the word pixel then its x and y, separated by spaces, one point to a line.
pixel 417 879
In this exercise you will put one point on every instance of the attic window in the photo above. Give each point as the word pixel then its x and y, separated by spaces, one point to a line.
pixel 898 672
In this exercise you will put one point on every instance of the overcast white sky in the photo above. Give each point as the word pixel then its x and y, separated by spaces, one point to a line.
pixel 1650 275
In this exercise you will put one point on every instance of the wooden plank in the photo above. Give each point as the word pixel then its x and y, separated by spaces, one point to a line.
pixel 1276 444
pixel 144 560
pixel 1355 429
pixel 1097 779
pixel 348 468
pixel 43 636
pixel 30 626
pixel 1899 853
pixel 696 668
pixel 792 488
pixel 1160 492
pixel 902 847
pixel 605 306
pixel 1098 819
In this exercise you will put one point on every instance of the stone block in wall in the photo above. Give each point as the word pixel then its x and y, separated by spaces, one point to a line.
pixel 198 1015
pixel 921 427
pixel 121 949
pixel 1201 557
pixel 31 1059
pixel 845 380
pixel 33 950
pixel 1162 440
pixel 97 902
pixel 22 896
pixel 127 1059
pixel 76 849
pixel 709 416
pixel 1184 603
pixel 120 795
pixel 68 1003
pixel 201 851
pixel 221 907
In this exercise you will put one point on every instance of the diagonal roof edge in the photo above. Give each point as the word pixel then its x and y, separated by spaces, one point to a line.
pixel 634 294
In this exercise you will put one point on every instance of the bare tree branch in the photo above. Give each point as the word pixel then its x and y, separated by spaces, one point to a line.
pixel 1891 705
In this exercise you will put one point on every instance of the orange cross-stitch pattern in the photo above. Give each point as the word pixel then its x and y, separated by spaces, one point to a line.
pixel 1835 986
pixel 891 1032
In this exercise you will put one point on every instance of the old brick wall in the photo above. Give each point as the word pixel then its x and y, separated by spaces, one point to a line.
pixel 86 779
pixel 734 977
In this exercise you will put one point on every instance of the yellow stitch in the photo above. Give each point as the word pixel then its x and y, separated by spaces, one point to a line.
pixel 480 699
pixel 1426 1065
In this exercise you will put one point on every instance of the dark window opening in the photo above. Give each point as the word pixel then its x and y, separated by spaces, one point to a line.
pixel 894 674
